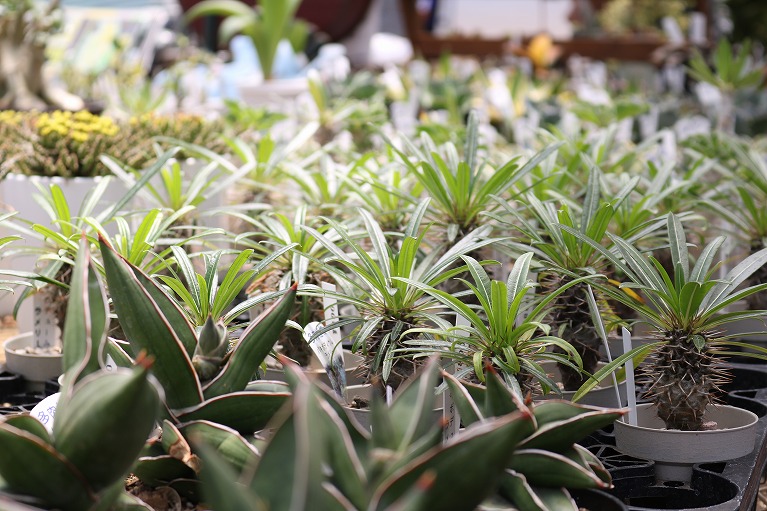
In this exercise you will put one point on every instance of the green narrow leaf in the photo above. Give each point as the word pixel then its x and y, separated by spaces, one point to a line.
pixel 253 347
pixel 147 328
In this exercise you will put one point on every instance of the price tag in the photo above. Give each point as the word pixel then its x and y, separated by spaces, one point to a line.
pixel 45 411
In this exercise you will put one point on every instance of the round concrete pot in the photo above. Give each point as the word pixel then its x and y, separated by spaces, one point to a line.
pixel 675 451
pixel 35 368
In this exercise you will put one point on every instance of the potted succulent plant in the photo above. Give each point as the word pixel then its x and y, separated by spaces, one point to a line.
pixel 207 376
pixel 685 309
pixel 387 288
pixel 267 24
pixel 77 456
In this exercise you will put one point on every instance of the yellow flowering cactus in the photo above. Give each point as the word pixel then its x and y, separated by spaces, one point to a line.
pixel 68 144
pixel 57 143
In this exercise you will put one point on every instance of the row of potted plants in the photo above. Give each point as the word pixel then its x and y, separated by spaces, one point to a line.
pixel 501 258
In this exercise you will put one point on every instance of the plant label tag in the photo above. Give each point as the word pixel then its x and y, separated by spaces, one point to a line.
pixel 450 415
pixel 331 312
pixel 109 364
pixel 45 329
pixel 329 353
pixel 45 411
pixel 672 30
pixel 698 24
pixel 630 388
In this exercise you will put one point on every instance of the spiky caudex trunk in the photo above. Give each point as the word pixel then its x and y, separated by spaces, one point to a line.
pixel 758 301
pixel 305 310
pixel 683 380
pixel 570 318
pixel 403 367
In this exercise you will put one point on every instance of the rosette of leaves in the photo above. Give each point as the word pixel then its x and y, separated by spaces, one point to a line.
pixel 577 313
pixel 207 377
pixel 684 308
pixel 506 332
pixel 387 286
pixel 740 204
pixel 273 232
pixel 326 461
pixel 461 187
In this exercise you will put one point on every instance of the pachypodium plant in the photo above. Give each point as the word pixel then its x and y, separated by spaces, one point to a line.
pixel 684 308
pixel 729 72
pixel 564 258
pixel 739 205
pixel 507 332
pixel 461 188
pixel 273 232
pixel 548 462
pixel 387 287
pixel 102 418
pixel 327 461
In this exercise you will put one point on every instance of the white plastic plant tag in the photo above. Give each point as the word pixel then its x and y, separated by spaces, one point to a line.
pixel 672 30
pixel 630 388
pixel 45 330
pixel 329 353
pixel 449 412
pixel 697 31
pixel 331 310
pixel 689 126
pixel 45 411
pixel 648 123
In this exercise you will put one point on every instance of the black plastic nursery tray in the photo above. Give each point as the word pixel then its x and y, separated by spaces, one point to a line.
pixel 726 486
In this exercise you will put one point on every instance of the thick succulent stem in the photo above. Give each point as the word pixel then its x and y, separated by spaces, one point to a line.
pixel 403 367
pixel 571 320
pixel 683 380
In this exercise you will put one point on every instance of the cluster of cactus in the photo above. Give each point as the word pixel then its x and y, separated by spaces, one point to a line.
pixel 102 418
pixel 325 458
pixel 188 128
pixel 66 144
pixel 70 144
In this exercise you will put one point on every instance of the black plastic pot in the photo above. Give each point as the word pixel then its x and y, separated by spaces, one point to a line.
pixel 595 500
pixel 24 400
pixel 51 386
pixel 10 383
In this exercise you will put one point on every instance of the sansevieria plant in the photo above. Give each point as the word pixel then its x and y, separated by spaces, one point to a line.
pixel 102 418
pixel 685 308
pixel 207 377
